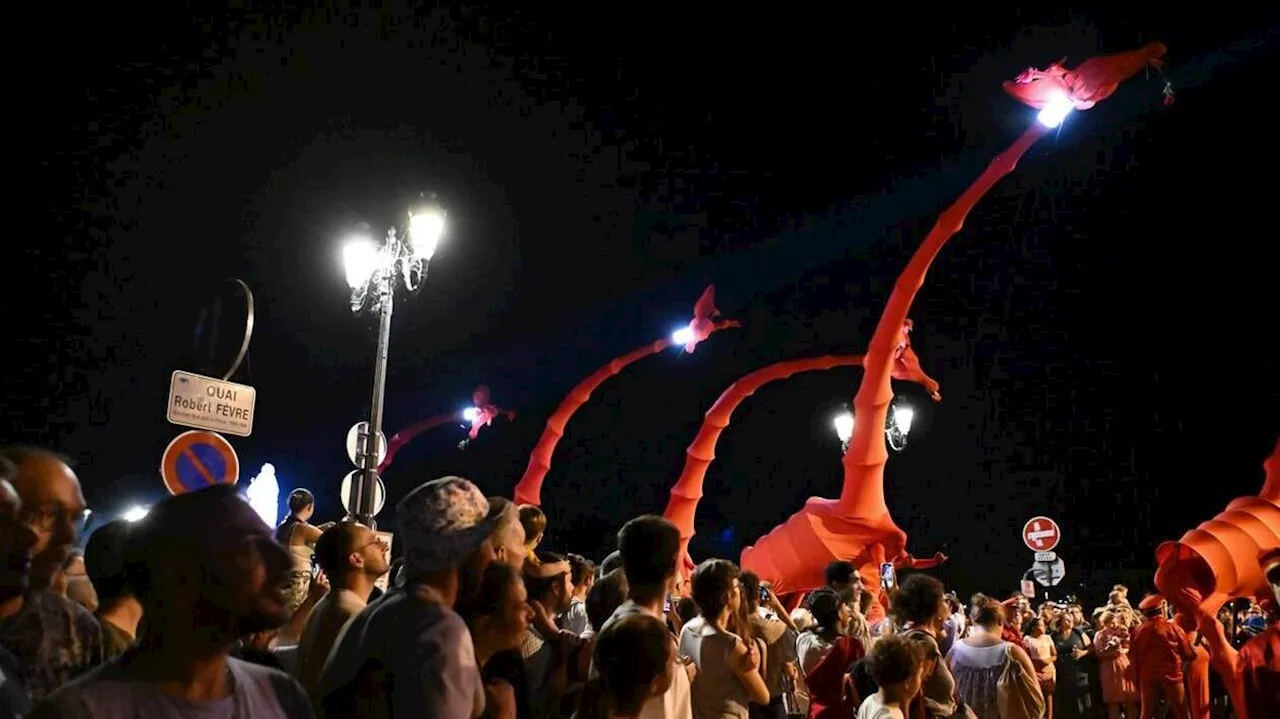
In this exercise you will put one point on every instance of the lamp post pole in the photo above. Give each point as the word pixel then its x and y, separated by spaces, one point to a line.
pixel 364 501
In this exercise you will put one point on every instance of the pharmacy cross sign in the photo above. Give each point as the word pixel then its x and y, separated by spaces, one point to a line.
pixel 1041 534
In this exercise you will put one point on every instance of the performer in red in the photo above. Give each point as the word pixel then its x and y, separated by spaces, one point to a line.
pixel 1158 649
pixel 1259 660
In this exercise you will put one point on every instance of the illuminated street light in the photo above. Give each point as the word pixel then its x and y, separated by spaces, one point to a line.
pixel 897 426
pixel 134 514
pixel 469 414
pixel 373 273
pixel 1055 111
pixel 682 336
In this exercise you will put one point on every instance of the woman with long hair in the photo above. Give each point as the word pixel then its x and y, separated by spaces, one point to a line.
pixel 299 537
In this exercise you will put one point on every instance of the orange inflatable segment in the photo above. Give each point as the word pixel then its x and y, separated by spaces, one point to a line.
pixel 529 488
pixel 683 506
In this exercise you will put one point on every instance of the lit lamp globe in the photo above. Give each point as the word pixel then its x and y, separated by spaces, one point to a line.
pixel 426 227
pixel 359 260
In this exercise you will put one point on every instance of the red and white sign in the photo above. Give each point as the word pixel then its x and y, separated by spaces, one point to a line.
pixel 1041 534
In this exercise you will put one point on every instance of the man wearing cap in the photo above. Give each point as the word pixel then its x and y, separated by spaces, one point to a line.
pixel 1259 660
pixel 412 655
pixel 1158 650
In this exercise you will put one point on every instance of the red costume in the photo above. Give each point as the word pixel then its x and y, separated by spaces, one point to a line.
pixel 1158 649
pixel 1259 666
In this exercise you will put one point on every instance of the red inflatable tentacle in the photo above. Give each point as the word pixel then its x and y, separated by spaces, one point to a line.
pixel 683 505
pixel 862 496
pixel 529 488
pixel 858 526
pixel 404 436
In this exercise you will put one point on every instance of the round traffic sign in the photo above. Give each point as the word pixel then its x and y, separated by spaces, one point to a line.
pixel 198 459
pixel 355 443
pixel 348 483
pixel 1041 534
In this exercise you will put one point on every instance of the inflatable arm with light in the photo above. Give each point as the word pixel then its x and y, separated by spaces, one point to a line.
pixel 683 505
pixel 857 526
pixel 529 489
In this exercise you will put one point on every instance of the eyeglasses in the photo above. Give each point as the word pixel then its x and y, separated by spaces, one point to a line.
pixel 49 516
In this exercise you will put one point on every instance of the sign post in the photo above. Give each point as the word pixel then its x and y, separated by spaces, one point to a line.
pixel 212 404
pixel 352 481
pixel 198 459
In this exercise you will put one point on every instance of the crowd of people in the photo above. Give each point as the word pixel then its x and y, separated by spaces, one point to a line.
pixel 201 610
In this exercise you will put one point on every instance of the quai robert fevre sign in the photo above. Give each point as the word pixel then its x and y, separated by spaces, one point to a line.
pixel 212 404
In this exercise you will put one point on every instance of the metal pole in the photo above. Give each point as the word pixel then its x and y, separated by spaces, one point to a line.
pixel 366 491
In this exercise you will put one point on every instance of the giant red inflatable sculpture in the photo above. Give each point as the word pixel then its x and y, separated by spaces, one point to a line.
pixel 529 489
pixel 1218 561
pixel 683 505
pixel 858 526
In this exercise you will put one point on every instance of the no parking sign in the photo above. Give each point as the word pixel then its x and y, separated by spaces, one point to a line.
pixel 198 459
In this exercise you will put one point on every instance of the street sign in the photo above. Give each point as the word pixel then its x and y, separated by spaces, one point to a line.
pixel 355 443
pixel 212 404
pixel 385 580
pixel 1028 589
pixel 348 484
pixel 1041 534
pixel 198 459
pixel 1046 557
pixel 1049 574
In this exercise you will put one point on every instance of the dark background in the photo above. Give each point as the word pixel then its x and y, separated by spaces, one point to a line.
pixel 1103 327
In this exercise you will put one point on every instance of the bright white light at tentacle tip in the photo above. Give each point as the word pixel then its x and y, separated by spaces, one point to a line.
pixel 1057 109
pixel 843 423
pixel 134 514
pixel 359 260
pixel 682 336
pixel 902 417
pixel 470 413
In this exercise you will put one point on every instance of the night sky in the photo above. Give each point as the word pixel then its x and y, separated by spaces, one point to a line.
pixel 1103 328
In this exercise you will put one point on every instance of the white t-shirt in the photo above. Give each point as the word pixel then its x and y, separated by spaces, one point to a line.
pixel 873 708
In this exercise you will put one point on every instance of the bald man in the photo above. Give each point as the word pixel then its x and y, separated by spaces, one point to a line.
pixel 53 637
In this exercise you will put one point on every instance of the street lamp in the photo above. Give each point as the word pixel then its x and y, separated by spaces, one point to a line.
pixel 372 272
pixel 897 426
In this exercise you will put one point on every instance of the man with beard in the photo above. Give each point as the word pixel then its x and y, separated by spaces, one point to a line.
pixel 207 571
pixel 547 655
pixel 53 637
pixel 16 541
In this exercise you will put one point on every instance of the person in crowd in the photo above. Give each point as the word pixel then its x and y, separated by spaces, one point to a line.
pixel 954 627
pixel 826 651
pixel 119 612
pixel 16 541
pixel 582 572
pixel 729 668
pixel 649 547
pixel 1259 659
pixel 611 562
pixel 498 613
pixel 53 637
pixel 842 576
pixel 353 558
pixel 1158 649
pixel 897 666
pixel 548 658
pixel 1111 646
pixel 534 523
pixel 296 533
pixel 978 660
pixel 413 655
pixel 507 545
pixel 1072 698
pixel 920 607
pixel 636 662
pixel 606 595
pixel 1044 655
pixel 1016 613
pixel 207 572
pixel 774 627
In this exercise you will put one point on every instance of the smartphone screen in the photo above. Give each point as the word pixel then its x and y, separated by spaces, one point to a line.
pixel 666 604
pixel 888 578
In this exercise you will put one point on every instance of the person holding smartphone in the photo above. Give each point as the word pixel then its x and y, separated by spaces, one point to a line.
pixel 771 622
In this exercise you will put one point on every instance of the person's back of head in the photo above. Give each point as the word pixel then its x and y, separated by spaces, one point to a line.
pixel 840 573
pixel 605 596
pixel 650 549
pixel 635 659
pixel 750 590
pixel 611 562
pixel 986 612
pixel 919 600
pixel 104 562
pixel 895 663
pixel 713 585
pixel 299 500
pixel 582 571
